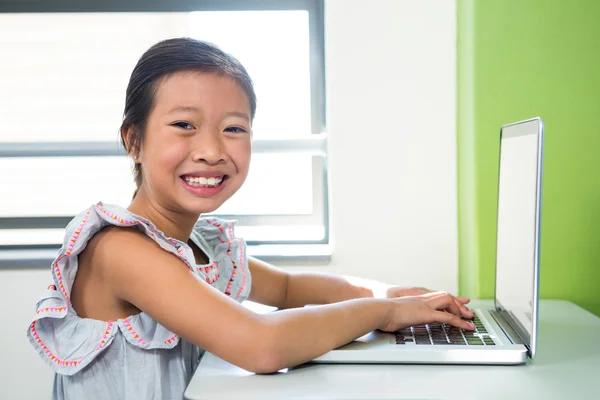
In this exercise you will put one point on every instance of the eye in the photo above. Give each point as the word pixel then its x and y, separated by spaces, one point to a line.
pixel 235 129
pixel 184 125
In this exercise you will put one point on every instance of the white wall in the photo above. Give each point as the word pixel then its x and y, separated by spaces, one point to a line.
pixel 391 95
pixel 391 121
pixel 23 374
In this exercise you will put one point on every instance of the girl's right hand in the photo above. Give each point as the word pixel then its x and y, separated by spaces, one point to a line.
pixel 424 309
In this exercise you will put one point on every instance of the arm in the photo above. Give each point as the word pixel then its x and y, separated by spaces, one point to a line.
pixel 322 288
pixel 278 288
pixel 160 285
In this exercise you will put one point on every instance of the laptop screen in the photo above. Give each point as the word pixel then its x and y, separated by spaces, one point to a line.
pixel 518 225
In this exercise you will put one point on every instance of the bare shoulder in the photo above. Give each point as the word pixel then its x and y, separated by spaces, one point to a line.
pixel 126 258
pixel 92 293
pixel 113 243
pixel 115 246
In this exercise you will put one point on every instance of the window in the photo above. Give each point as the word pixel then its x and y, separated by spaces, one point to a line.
pixel 65 68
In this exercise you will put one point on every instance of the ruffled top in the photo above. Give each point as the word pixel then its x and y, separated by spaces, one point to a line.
pixel 69 343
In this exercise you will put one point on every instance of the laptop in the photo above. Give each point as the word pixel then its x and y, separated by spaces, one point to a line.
pixel 506 333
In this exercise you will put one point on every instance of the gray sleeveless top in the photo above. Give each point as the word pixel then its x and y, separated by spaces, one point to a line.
pixel 134 357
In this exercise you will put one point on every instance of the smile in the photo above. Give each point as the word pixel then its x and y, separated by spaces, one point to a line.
pixel 201 181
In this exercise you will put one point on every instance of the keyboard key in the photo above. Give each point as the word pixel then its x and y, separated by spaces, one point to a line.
pixel 443 334
pixel 474 341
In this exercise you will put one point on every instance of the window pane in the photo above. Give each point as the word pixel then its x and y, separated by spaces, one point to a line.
pixel 63 76
pixel 64 186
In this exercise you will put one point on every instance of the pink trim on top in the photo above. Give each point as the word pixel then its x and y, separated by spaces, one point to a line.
pixel 132 332
pixel 243 271
pixel 206 270
pixel 230 231
pixel 60 281
pixel 52 357
pixel 218 225
pixel 177 246
pixel 77 232
pixel 68 253
pixel 230 283
pixel 115 217
pixel 50 309
pixel 235 266
pixel 171 339
pixel 109 326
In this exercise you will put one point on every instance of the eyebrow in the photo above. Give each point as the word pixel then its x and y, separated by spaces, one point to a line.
pixel 237 114
pixel 195 109
pixel 184 109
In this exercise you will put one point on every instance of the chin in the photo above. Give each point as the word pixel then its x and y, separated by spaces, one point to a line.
pixel 196 208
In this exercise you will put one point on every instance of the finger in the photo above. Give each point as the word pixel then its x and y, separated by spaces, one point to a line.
pixel 423 290
pixel 453 320
pixel 463 300
pixel 416 291
pixel 446 302
pixel 461 310
pixel 433 295
pixel 465 311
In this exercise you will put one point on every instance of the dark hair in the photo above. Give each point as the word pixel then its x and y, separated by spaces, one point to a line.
pixel 165 58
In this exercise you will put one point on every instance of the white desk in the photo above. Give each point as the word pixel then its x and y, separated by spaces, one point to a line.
pixel 562 369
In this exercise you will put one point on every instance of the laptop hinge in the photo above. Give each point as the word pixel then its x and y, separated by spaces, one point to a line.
pixel 507 328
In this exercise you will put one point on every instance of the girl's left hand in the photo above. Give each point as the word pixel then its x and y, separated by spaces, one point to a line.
pixel 394 291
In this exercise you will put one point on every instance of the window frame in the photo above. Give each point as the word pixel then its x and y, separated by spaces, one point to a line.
pixel 316 144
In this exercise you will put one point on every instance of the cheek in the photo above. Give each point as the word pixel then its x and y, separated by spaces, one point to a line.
pixel 241 155
pixel 172 154
pixel 163 156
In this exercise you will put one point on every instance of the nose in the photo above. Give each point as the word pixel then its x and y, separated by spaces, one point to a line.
pixel 209 148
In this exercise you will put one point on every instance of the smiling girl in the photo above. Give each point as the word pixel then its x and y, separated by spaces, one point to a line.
pixel 139 293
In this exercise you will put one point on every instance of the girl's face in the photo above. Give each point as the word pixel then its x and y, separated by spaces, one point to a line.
pixel 196 150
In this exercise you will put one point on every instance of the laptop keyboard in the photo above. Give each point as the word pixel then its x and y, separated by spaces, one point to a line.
pixel 443 334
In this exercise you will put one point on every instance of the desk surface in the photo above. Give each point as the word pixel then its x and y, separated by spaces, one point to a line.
pixel 562 369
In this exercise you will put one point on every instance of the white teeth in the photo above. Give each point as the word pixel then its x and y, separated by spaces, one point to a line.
pixel 203 182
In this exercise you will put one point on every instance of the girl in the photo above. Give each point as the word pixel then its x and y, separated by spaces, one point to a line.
pixel 139 293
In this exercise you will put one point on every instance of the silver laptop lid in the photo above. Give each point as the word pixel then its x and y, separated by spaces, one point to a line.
pixel 518 232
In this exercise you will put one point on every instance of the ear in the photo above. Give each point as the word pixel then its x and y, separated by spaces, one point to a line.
pixel 131 141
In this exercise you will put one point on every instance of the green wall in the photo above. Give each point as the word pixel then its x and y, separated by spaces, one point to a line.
pixel 519 59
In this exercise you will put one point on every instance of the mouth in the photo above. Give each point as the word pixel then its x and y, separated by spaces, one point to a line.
pixel 204 181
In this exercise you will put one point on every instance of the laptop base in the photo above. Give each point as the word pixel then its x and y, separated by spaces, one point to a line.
pixel 380 348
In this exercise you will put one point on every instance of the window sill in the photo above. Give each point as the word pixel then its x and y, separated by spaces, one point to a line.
pixel 43 258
